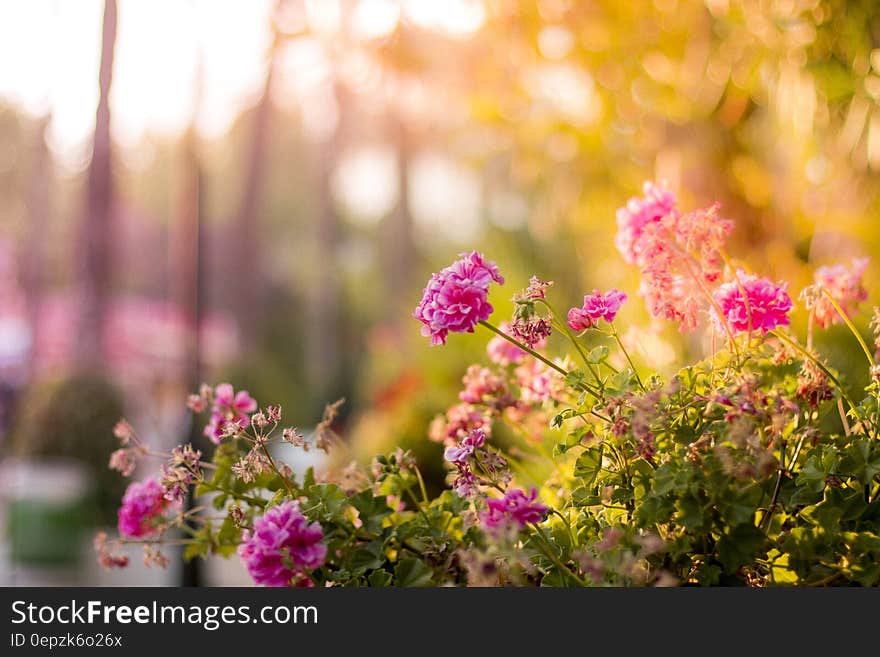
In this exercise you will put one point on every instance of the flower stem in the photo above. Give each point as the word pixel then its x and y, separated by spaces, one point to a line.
pixel 850 326
pixel 535 354
pixel 548 551
pixel 821 366
pixel 626 355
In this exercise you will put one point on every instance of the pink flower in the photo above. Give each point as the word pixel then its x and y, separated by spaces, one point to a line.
pixel 596 306
pixel 456 298
pixel 766 305
pixel 844 284
pixel 143 503
pixel 482 386
pixel 537 382
pixel 680 259
pixel 229 407
pixel 458 422
pixel 504 352
pixel 515 508
pixel 282 546
pixel 639 212
pixel 460 454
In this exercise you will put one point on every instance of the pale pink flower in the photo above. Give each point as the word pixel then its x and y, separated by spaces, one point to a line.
pixel 679 256
pixel 844 284
pixel 765 307
pixel 504 352
pixel 483 386
pixel 124 460
pixel 458 422
pixel 456 298
pixel 537 382
pixel 596 306
pixel 638 213
pixel 282 546
pixel 704 232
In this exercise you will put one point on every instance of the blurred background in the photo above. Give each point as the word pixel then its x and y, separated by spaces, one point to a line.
pixel 256 192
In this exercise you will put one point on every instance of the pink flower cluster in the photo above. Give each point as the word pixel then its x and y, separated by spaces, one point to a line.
pixel 678 255
pixel 537 382
pixel 515 509
pixel 229 410
pixel 483 386
pixel 458 455
pixel 765 306
pixel 458 422
pixel 144 502
pixel 471 452
pixel 596 306
pixel 456 298
pixel 504 352
pixel 841 282
pixel 282 546
pixel 638 213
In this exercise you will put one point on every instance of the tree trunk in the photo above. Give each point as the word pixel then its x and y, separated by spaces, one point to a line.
pixel 398 244
pixel 96 235
pixel 249 287
pixel 324 357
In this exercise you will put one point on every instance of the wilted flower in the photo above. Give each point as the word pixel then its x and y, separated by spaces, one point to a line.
pixel 533 331
pixel 123 431
pixel 596 306
pixel 124 460
pixel 765 306
pixel 536 290
pixel 106 555
pixel 456 298
pixel 282 546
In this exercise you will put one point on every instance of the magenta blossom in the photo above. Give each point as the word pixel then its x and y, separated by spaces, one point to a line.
pixel 766 305
pixel 229 407
pixel 639 212
pixel 143 503
pixel 596 306
pixel 515 508
pixel 282 546
pixel 456 299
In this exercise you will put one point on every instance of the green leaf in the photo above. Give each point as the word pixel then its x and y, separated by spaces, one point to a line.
pixel 329 500
pixel 740 546
pixel 589 464
pixel 371 509
pixel 379 578
pixel 412 572
pixel 597 354
pixel 367 557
